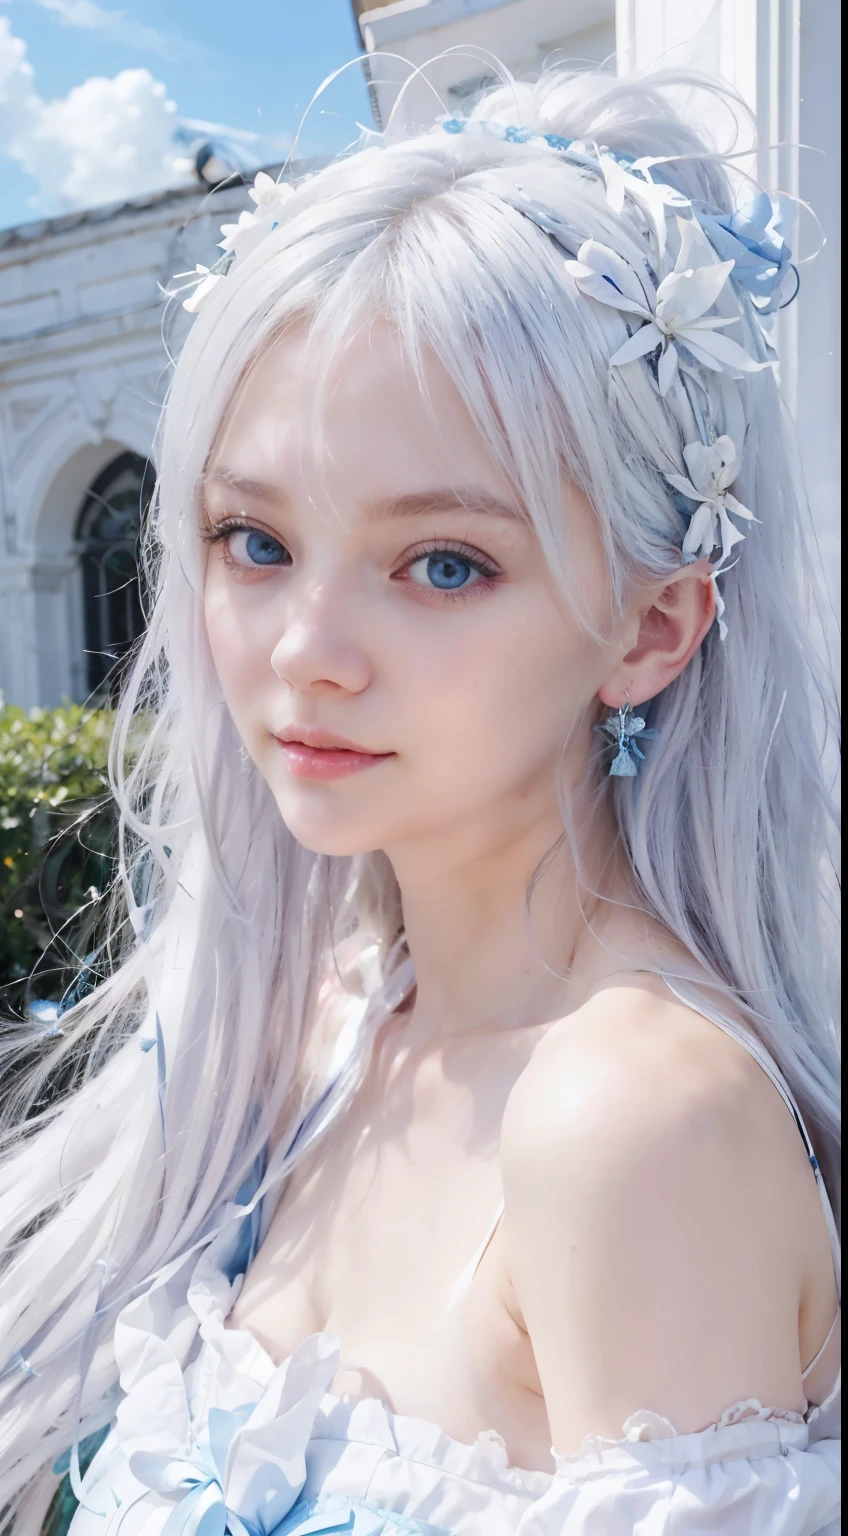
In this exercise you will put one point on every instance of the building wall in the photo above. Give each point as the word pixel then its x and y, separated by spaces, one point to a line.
pixel 84 342
pixel 455 39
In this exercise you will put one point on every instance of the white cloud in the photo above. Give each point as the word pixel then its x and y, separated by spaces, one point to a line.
pixel 16 85
pixel 107 139
pixel 112 24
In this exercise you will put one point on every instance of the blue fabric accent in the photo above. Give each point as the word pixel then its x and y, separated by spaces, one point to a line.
pixel 202 1510
pixel 750 239
pixel 320 1517
pixel 247 1241
pixel 222 1426
pixel 556 141
pixel 511 133
pixel 161 1074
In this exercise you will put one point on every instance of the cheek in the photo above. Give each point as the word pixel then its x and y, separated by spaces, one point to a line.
pixel 498 705
pixel 240 649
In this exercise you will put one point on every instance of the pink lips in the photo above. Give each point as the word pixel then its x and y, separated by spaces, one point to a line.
pixel 312 754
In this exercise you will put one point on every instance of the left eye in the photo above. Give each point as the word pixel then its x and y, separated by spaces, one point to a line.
pixel 445 571
pixel 252 547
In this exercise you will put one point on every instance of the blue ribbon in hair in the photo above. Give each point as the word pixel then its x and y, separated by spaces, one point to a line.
pixel 749 237
pixel 761 257
pixel 510 133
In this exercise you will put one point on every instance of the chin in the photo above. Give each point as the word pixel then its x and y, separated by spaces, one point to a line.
pixel 339 837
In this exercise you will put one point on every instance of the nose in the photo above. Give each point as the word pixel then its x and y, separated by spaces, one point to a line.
pixel 318 648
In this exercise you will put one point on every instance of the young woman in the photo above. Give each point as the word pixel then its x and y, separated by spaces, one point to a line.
pixel 467 1084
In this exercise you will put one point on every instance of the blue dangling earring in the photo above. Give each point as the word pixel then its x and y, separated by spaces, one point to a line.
pixel 623 726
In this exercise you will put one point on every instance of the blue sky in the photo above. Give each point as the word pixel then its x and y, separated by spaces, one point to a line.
pixel 251 64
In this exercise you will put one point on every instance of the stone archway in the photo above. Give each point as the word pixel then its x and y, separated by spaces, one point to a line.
pixel 43 620
pixel 107 536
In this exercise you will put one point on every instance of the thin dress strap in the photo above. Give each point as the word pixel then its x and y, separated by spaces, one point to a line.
pixel 753 1046
pixel 469 1270
pixel 820 1352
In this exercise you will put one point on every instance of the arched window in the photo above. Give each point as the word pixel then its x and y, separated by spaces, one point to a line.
pixel 107 538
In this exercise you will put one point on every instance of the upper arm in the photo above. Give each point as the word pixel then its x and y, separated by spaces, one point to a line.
pixel 649 1176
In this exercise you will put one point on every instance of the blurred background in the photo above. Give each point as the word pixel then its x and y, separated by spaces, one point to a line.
pixel 126 135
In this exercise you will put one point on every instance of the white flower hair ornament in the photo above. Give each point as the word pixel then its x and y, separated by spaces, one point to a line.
pixel 634 181
pixel 270 197
pixel 712 470
pixel 675 312
pixel 669 309
pixel 679 337
pixel 713 467
pixel 240 239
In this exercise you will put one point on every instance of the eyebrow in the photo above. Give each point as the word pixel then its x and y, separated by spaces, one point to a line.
pixel 413 504
pixel 257 490
pixel 464 499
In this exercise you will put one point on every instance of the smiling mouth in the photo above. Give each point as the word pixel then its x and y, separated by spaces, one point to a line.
pixel 327 757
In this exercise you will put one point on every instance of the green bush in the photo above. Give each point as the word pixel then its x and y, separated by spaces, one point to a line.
pixel 57 824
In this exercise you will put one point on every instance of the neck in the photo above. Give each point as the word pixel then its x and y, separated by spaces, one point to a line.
pixel 485 956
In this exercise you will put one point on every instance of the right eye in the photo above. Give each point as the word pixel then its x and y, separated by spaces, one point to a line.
pixel 252 547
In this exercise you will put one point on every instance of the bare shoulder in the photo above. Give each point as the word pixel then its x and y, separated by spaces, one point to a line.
pixel 635 1072
pixel 659 1209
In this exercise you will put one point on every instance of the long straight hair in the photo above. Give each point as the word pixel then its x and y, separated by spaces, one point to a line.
pixel 192 1049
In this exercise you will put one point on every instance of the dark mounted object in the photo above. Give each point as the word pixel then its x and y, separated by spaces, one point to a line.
pixel 215 163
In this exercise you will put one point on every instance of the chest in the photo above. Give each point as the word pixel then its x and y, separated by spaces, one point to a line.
pixel 375 1239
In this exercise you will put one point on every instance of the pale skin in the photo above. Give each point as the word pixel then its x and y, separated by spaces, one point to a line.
pixel 663 1244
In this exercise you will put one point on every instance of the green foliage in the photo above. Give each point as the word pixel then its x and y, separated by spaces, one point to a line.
pixel 57 823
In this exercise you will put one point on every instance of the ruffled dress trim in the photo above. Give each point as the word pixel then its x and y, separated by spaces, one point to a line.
pixel 213 1438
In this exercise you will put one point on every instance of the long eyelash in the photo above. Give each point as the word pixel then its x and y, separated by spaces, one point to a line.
pixel 221 532
pixel 215 534
pixel 474 556
pixel 488 571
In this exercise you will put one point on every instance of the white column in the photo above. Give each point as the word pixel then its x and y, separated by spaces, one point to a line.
pixel 783 58
pixel 58 646
pixel 40 643
pixel 818 311
pixel 18 657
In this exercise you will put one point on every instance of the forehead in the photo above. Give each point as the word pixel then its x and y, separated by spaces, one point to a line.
pixel 367 413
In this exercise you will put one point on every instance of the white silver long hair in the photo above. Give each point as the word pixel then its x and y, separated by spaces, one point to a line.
pixel 179 1064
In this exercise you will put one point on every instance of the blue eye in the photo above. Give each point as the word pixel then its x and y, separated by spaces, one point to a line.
pixel 251 547
pixel 445 571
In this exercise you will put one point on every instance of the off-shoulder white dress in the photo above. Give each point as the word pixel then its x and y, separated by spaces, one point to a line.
pixel 212 1438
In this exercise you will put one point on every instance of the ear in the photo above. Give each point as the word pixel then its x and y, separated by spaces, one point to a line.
pixel 662 635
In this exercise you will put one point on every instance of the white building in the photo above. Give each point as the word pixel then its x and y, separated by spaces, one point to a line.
pixel 83 369
pixel 457 40
pixel 83 363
